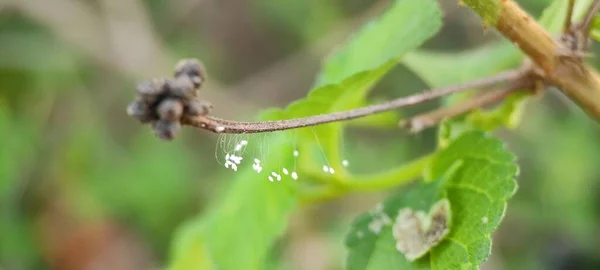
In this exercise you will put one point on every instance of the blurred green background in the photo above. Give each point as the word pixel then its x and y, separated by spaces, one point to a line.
pixel 83 186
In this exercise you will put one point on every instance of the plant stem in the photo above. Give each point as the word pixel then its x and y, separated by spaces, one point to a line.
pixel 579 81
pixel 394 178
pixel 569 19
pixel 423 121
pixel 586 23
pixel 218 125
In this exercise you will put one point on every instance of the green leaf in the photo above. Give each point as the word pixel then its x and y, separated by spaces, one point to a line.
pixel 241 228
pixel 385 120
pixel 404 27
pixel 595 32
pixel 476 174
pixel 244 223
pixel 507 114
pixel 439 69
pixel 351 71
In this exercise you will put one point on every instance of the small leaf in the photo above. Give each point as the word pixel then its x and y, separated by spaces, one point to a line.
pixel 507 114
pixel 476 175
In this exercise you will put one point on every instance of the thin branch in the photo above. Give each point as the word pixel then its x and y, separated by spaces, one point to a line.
pixel 586 23
pixel 569 19
pixel 423 121
pixel 585 27
pixel 218 125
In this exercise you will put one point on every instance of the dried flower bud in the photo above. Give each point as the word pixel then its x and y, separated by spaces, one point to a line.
pixel 166 129
pixel 193 69
pixel 170 109
pixel 140 111
pixel 198 107
pixel 164 102
pixel 182 87
pixel 151 90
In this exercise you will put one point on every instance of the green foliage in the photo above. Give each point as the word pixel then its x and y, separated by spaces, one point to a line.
pixel 554 16
pixel 383 40
pixel 253 213
pixel 351 71
pixel 308 19
pixel 243 225
pixel 473 171
pixel 489 10
pixel 18 140
pixel 442 68
pixel 439 69
pixel 384 120
pixel 73 154
pixel 595 32
pixel 146 186
pixel 575 200
pixel 476 174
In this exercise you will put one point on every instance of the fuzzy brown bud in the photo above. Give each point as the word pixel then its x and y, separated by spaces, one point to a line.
pixel 182 87
pixel 151 90
pixel 166 129
pixel 170 109
pixel 193 69
pixel 140 111
pixel 198 107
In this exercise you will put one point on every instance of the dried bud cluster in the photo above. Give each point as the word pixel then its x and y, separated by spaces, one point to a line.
pixel 163 102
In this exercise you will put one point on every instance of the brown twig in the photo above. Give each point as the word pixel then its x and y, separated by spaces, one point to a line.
pixel 589 16
pixel 426 120
pixel 586 23
pixel 225 126
pixel 569 19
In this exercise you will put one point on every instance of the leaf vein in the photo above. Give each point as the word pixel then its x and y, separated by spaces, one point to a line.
pixel 471 188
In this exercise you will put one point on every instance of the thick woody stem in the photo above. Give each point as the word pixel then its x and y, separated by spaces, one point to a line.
pixel 577 80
